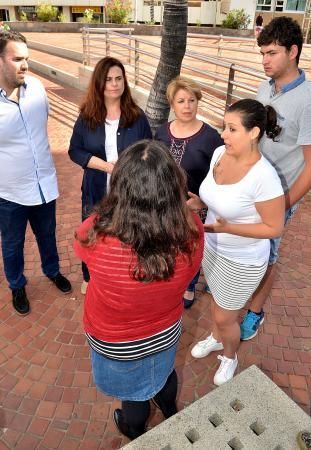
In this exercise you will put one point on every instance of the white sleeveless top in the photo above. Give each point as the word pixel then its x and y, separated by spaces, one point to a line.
pixel 111 128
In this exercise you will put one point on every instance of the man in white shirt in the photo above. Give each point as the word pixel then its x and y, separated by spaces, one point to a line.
pixel 28 183
pixel 289 93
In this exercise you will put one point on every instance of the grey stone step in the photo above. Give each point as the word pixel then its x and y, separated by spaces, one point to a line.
pixel 249 412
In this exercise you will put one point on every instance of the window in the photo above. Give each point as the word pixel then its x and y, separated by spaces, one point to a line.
pixel 295 5
pixel 155 2
pixel 264 5
pixel 279 5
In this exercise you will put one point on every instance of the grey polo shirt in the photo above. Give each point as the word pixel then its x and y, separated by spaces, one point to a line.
pixel 293 107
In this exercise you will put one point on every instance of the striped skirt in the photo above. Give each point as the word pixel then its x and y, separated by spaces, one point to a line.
pixel 231 283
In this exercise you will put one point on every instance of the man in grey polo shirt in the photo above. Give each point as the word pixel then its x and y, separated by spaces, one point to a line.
pixel 289 93
pixel 28 184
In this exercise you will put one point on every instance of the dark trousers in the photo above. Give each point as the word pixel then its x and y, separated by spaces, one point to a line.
pixel 13 223
pixel 195 280
pixel 85 270
pixel 135 414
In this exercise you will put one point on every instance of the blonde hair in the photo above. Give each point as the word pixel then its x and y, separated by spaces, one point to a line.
pixel 182 83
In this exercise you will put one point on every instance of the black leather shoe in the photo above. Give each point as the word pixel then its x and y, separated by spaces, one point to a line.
pixel 61 283
pixel 124 428
pixel 20 301
pixel 189 303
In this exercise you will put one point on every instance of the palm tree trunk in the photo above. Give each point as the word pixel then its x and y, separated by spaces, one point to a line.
pixel 152 11
pixel 173 47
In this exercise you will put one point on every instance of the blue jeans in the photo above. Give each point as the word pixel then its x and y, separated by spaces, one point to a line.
pixel 275 243
pixel 13 223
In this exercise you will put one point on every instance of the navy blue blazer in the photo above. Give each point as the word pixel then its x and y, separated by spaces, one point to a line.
pixel 86 143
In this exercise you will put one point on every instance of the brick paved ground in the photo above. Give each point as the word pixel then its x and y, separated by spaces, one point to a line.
pixel 46 390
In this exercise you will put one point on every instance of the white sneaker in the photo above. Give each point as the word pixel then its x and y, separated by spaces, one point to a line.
pixel 84 287
pixel 204 348
pixel 226 369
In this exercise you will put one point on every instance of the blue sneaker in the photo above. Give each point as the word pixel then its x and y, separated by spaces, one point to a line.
pixel 250 325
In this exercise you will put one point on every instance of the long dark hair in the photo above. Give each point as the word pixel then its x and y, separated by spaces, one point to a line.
pixel 146 210
pixel 93 109
pixel 254 114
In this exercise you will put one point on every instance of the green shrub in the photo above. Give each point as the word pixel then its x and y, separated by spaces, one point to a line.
pixel 236 19
pixel 4 27
pixel 88 16
pixel 46 12
pixel 118 11
pixel 61 17
pixel 23 16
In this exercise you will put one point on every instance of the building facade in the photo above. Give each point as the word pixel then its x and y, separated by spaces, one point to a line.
pixel 273 8
pixel 204 12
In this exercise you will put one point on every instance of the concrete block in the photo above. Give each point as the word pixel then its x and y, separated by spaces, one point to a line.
pixel 249 412
pixel 60 75
pixel 56 51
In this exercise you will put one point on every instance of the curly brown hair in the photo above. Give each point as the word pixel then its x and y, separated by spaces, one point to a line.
pixel 146 210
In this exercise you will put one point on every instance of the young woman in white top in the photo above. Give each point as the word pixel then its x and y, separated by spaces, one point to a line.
pixel 245 203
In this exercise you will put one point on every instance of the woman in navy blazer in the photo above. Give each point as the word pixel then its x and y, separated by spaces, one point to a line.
pixel 109 121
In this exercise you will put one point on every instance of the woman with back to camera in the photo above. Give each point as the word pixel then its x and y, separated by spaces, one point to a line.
pixel 190 141
pixel 245 208
pixel 109 121
pixel 142 247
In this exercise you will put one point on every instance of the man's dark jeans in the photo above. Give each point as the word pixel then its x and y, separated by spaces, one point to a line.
pixel 13 223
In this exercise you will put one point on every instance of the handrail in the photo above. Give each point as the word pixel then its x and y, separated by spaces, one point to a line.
pixel 228 38
pixel 107 30
pixel 223 80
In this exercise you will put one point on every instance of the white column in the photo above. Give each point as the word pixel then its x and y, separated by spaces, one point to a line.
pixel 66 12
pixel 12 14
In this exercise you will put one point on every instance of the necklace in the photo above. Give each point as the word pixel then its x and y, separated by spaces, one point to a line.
pixel 177 149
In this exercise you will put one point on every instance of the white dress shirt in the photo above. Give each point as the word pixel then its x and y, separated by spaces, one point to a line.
pixel 27 172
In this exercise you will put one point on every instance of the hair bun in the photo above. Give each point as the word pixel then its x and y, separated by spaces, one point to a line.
pixel 274 133
pixel 272 128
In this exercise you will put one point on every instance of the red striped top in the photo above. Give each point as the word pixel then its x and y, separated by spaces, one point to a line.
pixel 120 309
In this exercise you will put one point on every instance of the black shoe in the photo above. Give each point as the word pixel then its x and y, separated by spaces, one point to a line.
pixel 20 301
pixel 61 283
pixel 124 428
pixel 188 303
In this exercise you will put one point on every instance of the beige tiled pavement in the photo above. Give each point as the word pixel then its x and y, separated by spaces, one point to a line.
pixel 46 390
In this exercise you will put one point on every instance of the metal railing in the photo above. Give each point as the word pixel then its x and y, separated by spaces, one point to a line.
pixel 223 80
pixel 228 48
